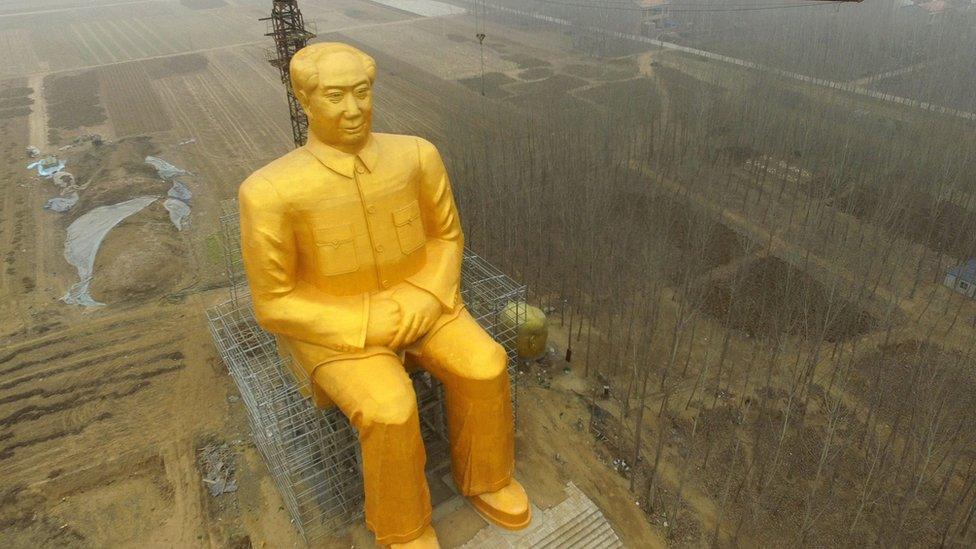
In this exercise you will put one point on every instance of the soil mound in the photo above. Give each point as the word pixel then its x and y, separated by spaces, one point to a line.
pixel 142 258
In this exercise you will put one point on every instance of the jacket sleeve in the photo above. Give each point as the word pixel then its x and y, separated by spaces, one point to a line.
pixel 283 304
pixel 441 275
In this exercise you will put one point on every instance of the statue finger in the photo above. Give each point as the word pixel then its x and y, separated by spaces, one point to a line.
pixel 425 326
pixel 402 332
pixel 414 329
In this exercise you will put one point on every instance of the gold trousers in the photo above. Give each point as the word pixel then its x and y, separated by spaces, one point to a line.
pixel 377 396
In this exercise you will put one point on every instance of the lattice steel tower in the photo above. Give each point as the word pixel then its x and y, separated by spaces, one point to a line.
pixel 287 27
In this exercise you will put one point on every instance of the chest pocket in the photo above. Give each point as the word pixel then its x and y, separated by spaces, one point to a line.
pixel 409 227
pixel 336 249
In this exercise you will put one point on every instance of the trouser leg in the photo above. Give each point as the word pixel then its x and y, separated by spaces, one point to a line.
pixel 473 369
pixel 377 396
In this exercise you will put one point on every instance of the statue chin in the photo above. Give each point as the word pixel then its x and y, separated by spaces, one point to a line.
pixel 343 139
pixel 356 141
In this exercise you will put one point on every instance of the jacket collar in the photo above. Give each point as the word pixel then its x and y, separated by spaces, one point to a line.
pixel 341 162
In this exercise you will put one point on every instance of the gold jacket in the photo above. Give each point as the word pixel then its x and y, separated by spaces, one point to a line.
pixel 322 231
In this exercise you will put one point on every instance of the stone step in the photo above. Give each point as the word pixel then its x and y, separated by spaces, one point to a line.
pixel 605 539
pixel 573 530
pixel 596 534
pixel 576 523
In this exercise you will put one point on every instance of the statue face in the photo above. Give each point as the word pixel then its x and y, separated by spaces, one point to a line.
pixel 340 110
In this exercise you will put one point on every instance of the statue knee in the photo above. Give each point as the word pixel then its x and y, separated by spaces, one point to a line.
pixel 488 363
pixel 391 407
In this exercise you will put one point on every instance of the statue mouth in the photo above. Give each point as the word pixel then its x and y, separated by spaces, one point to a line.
pixel 355 129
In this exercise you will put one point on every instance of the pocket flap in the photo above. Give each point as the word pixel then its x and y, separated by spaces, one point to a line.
pixel 406 214
pixel 333 236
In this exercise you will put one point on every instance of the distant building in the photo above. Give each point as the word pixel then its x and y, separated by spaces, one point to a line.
pixel 962 278
pixel 654 13
pixel 931 9
pixel 933 6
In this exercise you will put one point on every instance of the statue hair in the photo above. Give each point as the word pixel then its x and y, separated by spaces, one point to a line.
pixel 304 66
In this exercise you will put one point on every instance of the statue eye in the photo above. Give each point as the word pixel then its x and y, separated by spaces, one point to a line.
pixel 334 96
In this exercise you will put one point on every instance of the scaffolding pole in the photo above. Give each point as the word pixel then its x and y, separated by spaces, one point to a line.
pixel 287 27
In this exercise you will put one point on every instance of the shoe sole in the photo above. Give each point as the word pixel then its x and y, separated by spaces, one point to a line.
pixel 502 522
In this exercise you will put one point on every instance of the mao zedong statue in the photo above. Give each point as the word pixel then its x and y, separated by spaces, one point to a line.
pixel 352 247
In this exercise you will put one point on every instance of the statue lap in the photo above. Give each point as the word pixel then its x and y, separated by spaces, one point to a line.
pixel 374 385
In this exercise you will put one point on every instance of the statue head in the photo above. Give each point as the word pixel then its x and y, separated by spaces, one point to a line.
pixel 334 84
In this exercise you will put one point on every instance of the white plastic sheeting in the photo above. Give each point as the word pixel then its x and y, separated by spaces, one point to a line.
pixel 179 190
pixel 164 169
pixel 48 166
pixel 178 201
pixel 85 235
pixel 178 211
pixel 178 204
pixel 62 203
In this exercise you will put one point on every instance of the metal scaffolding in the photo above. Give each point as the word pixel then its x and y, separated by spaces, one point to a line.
pixel 313 454
pixel 287 27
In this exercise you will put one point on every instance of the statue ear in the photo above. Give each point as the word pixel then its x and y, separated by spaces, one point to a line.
pixel 303 101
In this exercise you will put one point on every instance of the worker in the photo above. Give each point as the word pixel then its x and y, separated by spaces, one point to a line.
pixel 352 247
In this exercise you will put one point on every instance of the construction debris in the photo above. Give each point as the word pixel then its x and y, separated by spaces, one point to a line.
pixel 93 138
pixel 33 152
pixel 63 179
pixel 218 466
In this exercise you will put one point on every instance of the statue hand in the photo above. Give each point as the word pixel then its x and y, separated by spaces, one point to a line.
pixel 384 321
pixel 419 312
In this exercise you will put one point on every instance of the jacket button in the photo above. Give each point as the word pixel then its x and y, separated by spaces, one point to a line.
pixel 379 248
pixel 371 209
pixel 386 283
pixel 360 170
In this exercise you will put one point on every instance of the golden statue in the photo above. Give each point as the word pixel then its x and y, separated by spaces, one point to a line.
pixel 352 247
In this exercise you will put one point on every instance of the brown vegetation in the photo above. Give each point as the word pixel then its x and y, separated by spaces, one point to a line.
pixel 725 303
pixel 73 101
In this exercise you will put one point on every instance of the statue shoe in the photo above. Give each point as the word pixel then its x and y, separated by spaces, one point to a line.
pixel 507 507
pixel 426 540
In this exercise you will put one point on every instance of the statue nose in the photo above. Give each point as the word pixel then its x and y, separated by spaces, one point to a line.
pixel 351 107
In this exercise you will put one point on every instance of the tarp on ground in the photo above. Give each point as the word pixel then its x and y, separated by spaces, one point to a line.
pixel 62 203
pixel 48 166
pixel 164 169
pixel 179 190
pixel 178 211
pixel 85 235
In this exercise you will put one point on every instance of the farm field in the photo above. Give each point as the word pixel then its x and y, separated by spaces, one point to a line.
pixel 720 248
pixel 843 44
pixel 954 88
